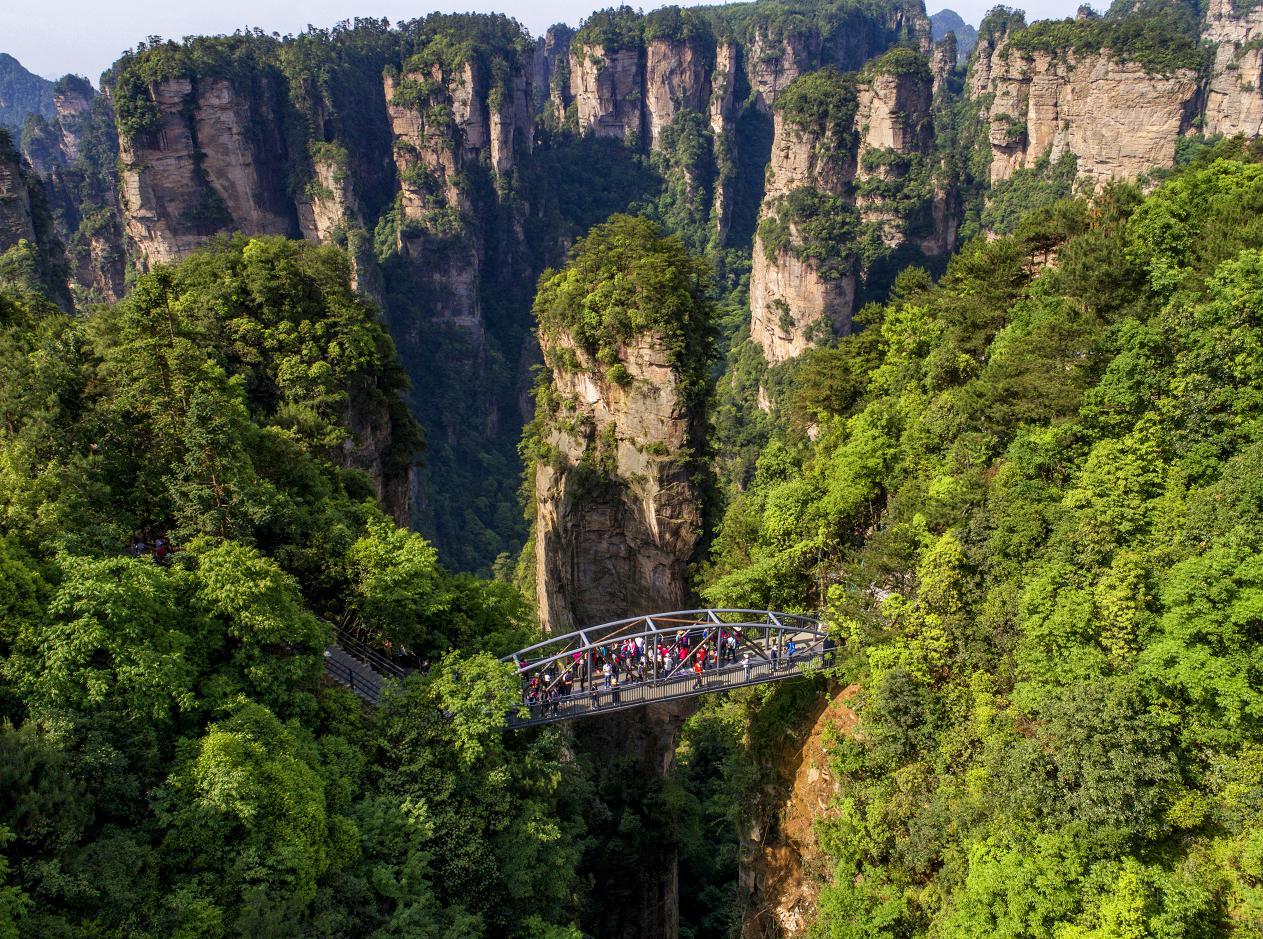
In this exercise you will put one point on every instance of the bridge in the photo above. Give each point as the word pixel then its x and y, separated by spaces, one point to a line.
pixel 662 657
pixel 628 663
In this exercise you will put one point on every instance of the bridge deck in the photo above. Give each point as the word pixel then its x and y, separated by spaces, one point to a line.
pixel 681 639
pixel 635 694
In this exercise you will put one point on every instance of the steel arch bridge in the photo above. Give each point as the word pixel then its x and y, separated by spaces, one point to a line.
pixel 662 657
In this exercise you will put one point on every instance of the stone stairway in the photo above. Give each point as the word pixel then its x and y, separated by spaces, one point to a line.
pixel 346 669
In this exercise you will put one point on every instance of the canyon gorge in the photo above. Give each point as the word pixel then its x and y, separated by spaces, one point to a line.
pixel 772 172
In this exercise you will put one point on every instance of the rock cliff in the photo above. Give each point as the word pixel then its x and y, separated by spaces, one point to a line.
pixel 76 156
pixel 448 124
pixel 212 160
pixel 849 186
pixel 677 78
pixel 550 74
pixel 17 223
pixel 618 508
pixel 608 89
pixel 782 864
pixel 812 167
pixel 30 251
pixel 1234 92
pixel 1117 118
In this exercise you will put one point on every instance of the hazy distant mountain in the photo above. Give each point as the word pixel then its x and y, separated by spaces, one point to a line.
pixel 949 21
pixel 22 93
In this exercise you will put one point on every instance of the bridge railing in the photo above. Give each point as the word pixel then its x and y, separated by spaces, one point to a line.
pixel 375 659
pixel 366 688
pixel 602 699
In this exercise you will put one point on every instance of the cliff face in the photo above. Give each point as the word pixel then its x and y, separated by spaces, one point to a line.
pixel 447 125
pixel 853 171
pixel 778 56
pixel 782 864
pixel 36 255
pixel 776 60
pixel 608 90
pixel 372 439
pixel 214 161
pixel 1118 119
pixel 75 155
pixel 550 73
pixel 677 78
pixel 16 221
pixel 618 514
pixel 1234 93
pixel 788 293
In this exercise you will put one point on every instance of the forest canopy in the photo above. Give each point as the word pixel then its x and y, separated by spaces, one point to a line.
pixel 1029 501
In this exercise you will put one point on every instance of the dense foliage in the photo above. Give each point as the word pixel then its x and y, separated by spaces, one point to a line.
pixel 171 763
pixel 626 280
pixel 1027 497
pixel 1162 36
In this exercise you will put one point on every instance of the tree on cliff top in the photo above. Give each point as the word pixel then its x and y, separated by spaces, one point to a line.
pixel 628 280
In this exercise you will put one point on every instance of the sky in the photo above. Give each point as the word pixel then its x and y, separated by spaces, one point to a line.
pixel 85 36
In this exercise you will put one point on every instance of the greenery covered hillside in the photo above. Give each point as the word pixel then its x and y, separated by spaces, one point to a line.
pixel 171 762
pixel 1029 498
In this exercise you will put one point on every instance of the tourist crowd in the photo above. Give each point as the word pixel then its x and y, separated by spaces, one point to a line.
pixel 603 670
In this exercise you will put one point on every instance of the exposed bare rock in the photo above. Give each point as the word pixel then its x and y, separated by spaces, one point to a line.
pixel 369 447
pixel 1118 119
pixel 608 89
pixel 213 163
pixel 330 215
pixel 16 221
pixel 894 113
pixel 724 112
pixel 783 867
pixel 550 71
pixel 724 87
pixel 788 294
pixel 1234 94
pixel 618 519
pixel 444 125
pixel 893 119
pixel 677 78
pixel 942 63
pixel 775 61
pixel 794 297
pixel 73 98
pixel 511 122
pixel 617 541
pixel 25 225
pixel 331 204
pixel 76 158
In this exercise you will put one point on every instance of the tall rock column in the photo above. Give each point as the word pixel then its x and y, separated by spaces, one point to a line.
pixel 850 195
pixel 802 283
pixel 1234 94
pixel 627 336
pixel 617 483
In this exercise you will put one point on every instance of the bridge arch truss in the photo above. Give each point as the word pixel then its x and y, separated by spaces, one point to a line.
pixel 564 676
